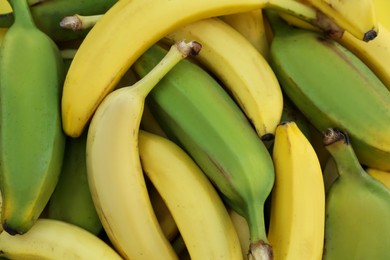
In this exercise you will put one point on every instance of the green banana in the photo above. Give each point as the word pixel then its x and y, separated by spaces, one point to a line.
pixel 357 207
pixel 32 142
pixel 333 88
pixel 199 115
pixel 71 201
pixel 48 14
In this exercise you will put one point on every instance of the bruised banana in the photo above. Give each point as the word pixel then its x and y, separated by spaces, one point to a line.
pixel 245 72
pixel 48 14
pixel 55 239
pixel 198 210
pixel 201 117
pixel 251 25
pixel 357 207
pixel 71 200
pixel 101 61
pixel 297 220
pixel 302 59
pixel 31 137
pixel 114 169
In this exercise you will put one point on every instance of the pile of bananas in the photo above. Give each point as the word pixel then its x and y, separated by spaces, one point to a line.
pixel 195 129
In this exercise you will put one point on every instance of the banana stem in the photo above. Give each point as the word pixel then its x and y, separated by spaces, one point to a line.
pixel 79 22
pixel 177 52
pixel 338 144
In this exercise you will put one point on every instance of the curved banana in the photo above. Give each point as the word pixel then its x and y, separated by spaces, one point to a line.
pixel 55 239
pixel 199 212
pixel 127 30
pixel 245 73
pixel 114 169
pixel 32 142
pixel 296 228
pixel 251 26
pixel 302 59
pixel 356 17
pixel 241 226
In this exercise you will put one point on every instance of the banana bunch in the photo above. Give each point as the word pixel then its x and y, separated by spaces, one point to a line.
pixel 181 129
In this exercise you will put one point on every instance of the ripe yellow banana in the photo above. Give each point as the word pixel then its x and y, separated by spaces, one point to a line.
pixel 128 29
pixel 114 169
pixel 194 203
pixel 55 239
pixel 296 229
pixel 241 226
pixel 356 17
pixel 251 26
pixel 241 69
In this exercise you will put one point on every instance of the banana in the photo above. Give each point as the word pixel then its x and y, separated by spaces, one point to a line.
pixel 251 26
pixel 245 72
pixel 357 207
pixel 71 201
pixel 297 219
pixel 330 173
pixel 382 176
pixel 194 203
pixel 114 170
pixel 5 7
pixel 203 119
pixel 31 137
pixel 55 239
pixel 302 59
pixel 48 14
pixel 356 17
pixel 133 26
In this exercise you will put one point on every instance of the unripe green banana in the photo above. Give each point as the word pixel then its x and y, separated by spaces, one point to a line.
pixel 48 15
pixel 71 201
pixel 31 139
pixel 357 225
pixel 196 112
pixel 333 88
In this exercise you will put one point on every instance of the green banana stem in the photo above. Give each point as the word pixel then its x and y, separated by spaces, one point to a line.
pixel 79 22
pixel 338 144
pixel 23 17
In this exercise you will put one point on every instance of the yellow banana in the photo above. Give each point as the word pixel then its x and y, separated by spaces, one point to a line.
pixel 114 169
pixel 55 239
pixel 127 30
pixel 242 70
pixel 199 212
pixel 356 17
pixel 5 7
pixel 251 26
pixel 296 229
